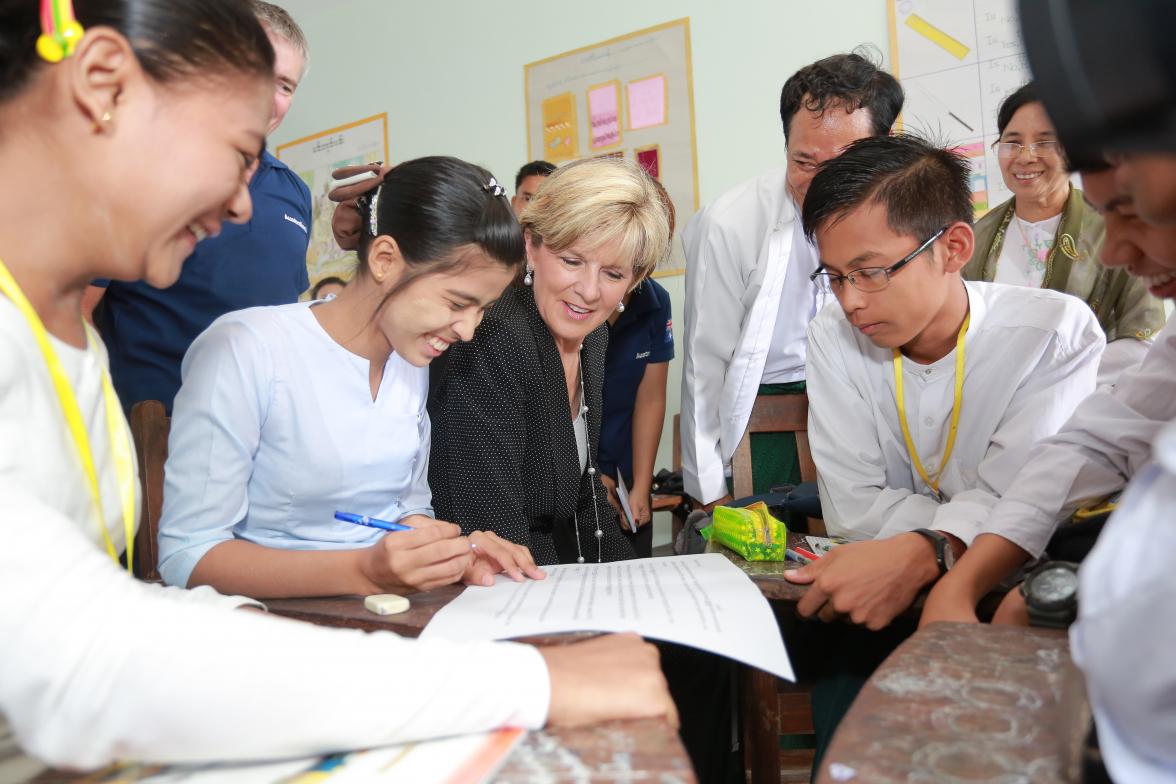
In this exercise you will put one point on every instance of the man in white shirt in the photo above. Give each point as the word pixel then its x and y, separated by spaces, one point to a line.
pixel 748 295
pixel 927 393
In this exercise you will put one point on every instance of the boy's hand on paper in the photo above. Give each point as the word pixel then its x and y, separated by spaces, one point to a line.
pixel 868 583
pixel 433 554
pixel 617 676
pixel 493 554
pixel 947 603
pixel 1012 610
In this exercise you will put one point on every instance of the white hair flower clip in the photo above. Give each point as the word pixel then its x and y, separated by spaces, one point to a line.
pixel 493 188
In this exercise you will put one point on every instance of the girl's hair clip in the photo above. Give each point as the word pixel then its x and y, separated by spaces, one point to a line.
pixel 373 211
pixel 493 188
pixel 60 31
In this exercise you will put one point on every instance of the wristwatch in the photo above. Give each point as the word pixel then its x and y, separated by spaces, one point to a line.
pixel 944 555
pixel 1051 594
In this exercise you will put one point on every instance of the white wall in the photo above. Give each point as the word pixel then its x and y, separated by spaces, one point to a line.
pixel 449 73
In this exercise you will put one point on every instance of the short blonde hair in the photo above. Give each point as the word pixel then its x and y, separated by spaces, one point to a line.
pixel 601 200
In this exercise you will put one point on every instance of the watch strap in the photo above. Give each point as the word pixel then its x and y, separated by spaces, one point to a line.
pixel 940 543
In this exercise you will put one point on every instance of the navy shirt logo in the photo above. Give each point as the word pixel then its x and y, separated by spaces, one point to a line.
pixel 296 222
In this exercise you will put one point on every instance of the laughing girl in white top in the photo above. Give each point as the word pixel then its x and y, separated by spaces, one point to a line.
pixel 289 413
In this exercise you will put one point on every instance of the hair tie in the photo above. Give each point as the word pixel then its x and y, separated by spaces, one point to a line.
pixel 60 31
pixel 493 188
pixel 373 211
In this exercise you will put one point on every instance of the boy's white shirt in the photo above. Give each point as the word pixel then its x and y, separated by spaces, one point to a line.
pixel 1031 356
pixel 1106 442
pixel 1126 626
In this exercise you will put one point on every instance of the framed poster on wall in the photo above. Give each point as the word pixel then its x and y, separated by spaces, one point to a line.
pixel 630 97
pixel 313 158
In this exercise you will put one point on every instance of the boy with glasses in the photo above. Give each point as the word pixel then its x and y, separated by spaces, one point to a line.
pixel 926 392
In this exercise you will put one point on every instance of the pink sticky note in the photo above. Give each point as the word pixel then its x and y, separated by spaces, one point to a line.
pixel 604 115
pixel 647 102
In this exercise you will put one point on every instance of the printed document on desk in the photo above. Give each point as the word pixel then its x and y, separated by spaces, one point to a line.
pixel 703 601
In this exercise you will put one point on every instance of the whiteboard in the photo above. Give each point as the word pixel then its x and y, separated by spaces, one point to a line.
pixel 957 60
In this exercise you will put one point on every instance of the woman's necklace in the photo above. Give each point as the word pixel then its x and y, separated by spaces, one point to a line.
pixel 1034 260
pixel 591 478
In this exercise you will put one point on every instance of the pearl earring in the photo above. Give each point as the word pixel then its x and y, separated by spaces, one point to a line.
pixel 620 307
pixel 529 278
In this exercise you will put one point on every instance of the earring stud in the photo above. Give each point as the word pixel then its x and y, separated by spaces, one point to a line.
pixel 620 307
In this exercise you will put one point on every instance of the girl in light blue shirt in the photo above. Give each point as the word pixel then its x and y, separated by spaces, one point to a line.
pixel 290 413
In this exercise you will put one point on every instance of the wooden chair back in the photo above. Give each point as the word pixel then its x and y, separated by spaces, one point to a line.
pixel 149 429
pixel 776 414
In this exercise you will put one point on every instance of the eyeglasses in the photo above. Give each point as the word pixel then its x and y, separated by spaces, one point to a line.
pixel 871 279
pixel 1009 150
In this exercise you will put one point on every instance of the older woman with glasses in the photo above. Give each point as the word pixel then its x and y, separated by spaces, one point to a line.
pixel 1048 236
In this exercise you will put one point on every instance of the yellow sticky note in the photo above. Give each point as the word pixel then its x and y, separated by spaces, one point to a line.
pixel 561 137
pixel 937 36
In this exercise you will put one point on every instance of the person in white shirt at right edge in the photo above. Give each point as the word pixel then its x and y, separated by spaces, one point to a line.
pixel 1119 435
pixel 748 295
pixel 926 392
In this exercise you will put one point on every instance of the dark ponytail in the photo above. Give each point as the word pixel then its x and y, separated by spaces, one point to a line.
pixel 172 39
pixel 433 206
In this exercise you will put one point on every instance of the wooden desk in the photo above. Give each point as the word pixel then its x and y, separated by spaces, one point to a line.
pixel 767 704
pixel 620 751
pixel 768 575
pixel 961 702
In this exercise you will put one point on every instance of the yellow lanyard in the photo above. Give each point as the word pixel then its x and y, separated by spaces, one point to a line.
pixel 120 444
pixel 956 405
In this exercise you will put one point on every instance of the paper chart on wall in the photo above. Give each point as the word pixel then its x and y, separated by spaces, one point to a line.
pixel 313 158
pixel 703 601
pixel 629 97
pixel 957 60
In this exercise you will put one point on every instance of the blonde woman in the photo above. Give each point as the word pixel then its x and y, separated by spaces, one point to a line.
pixel 516 411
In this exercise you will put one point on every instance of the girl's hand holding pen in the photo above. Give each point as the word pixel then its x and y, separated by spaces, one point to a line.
pixel 432 554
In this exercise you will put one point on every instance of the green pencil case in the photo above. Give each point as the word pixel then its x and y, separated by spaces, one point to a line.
pixel 751 531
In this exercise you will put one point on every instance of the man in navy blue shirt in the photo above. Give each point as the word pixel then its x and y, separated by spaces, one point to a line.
pixel 147 331
pixel 640 347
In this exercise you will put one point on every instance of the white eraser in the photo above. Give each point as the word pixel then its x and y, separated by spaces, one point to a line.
pixel 385 603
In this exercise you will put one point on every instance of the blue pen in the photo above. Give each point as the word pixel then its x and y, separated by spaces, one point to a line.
pixel 793 555
pixel 371 522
